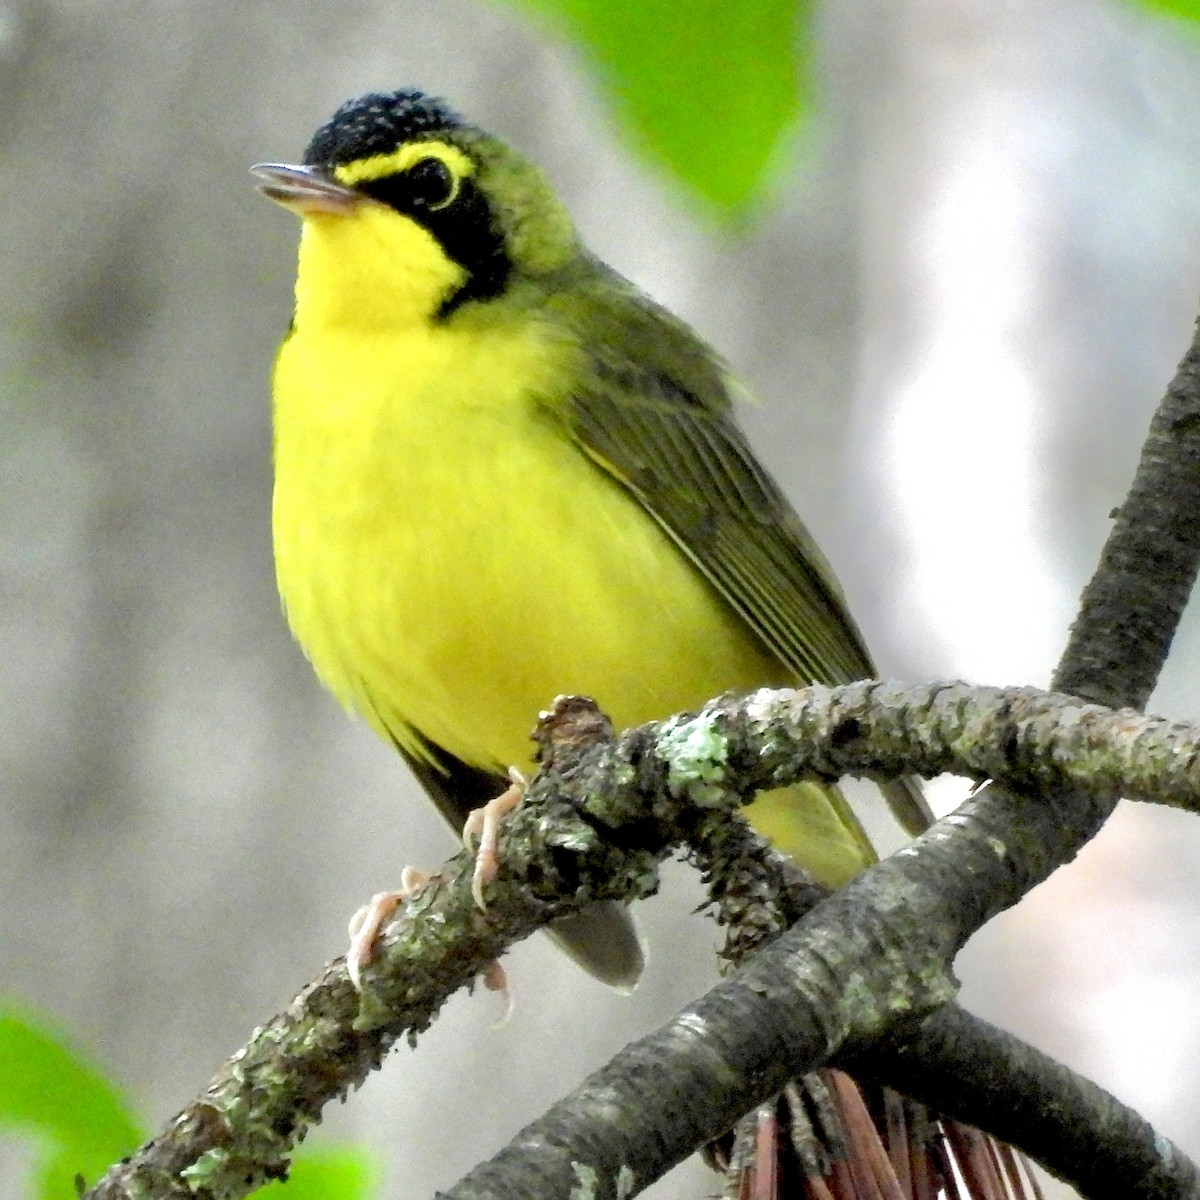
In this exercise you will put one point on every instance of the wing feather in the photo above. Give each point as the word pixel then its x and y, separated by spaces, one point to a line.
pixel 690 467
pixel 652 407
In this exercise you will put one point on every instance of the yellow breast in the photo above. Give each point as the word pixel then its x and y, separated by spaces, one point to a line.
pixel 450 560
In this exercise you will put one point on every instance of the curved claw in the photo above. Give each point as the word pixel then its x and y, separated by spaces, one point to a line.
pixel 369 920
pixel 484 823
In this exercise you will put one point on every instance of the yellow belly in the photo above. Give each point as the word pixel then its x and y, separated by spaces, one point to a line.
pixel 450 561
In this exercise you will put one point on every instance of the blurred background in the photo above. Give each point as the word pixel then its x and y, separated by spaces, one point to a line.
pixel 980 269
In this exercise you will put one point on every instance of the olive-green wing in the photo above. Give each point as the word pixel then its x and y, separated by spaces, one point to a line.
pixel 694 473
pixel 653 410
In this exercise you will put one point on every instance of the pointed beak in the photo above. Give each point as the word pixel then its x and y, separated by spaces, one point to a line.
pixel 305 190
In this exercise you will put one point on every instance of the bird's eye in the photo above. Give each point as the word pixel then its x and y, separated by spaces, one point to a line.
pixel 430 183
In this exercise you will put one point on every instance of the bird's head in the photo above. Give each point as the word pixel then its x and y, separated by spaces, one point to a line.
pixel 410 215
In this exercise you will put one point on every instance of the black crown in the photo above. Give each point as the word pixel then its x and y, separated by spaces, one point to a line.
pixel 377 124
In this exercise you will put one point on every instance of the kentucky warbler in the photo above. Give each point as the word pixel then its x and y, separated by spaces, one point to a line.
pixel 502 473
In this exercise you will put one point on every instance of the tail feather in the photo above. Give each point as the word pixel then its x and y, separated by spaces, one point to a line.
pixel 906 798
pixel 604 940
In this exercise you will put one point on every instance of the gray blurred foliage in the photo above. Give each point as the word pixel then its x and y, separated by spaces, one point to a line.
pixel 186 820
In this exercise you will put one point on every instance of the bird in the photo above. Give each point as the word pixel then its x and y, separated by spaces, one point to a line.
pixel 503 473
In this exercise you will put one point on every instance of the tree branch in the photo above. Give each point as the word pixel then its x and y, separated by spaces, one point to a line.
pixel 594 827
pixel 1131 608
pixel 960 1066
pixel 968 1069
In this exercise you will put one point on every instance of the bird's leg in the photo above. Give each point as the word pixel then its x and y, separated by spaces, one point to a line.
pixel 367 922
pixel 484 823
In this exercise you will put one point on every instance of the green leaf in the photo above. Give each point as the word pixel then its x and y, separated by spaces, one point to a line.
pixel 82 1124
pixel 708 88
pixel 49 1090
pixel 1190 9
pixel 325 1175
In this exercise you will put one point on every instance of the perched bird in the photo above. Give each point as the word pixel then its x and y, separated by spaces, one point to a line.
pixel 503 473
